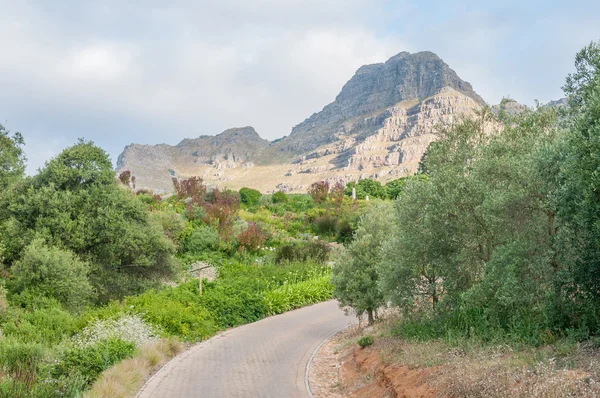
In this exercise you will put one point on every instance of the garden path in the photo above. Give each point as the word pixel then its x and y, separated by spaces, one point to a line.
pixel 267 358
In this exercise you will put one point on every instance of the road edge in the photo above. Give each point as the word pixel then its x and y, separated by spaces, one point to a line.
pixel 314 353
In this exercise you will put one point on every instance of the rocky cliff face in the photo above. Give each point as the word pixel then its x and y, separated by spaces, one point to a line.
pixel 154 166
pixel 379 126
pixel 371 90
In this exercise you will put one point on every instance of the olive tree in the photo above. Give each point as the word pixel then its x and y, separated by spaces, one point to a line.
pixel 355 274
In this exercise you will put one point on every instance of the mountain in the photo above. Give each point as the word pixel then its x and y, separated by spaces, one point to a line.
pixel 378 126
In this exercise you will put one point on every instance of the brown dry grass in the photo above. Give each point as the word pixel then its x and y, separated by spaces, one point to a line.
pixel 564 369
pixel 127 377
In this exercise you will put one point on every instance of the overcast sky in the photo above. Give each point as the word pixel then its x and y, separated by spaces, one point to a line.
pixel 118 71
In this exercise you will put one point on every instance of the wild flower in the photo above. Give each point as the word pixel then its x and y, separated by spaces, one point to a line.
pixel 131 328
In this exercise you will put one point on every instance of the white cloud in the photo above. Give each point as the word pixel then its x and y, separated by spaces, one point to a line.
pixel 153 71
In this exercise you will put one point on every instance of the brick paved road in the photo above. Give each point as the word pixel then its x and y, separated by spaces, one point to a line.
pixel 263 359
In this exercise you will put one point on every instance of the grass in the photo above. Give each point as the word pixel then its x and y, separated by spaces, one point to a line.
pixel 127 377
pixel 471 368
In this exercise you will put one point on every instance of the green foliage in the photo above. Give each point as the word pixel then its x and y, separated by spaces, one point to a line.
pixel 279 197
pixel 202 239
pixel 367 187
pixel 49 325
pixel 79 166
pixel 249 196
pixel 355 275
pixel 175 310
pixel 325 225
pixel 89 361
pixel 53 272
pixel 76 204
pixel 172 224
pixel 296 295
pixel 365 341
pixel 234 302
pixel 315 251
pixel 12 158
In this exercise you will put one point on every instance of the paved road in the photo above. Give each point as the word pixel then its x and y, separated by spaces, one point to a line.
pixel 263 359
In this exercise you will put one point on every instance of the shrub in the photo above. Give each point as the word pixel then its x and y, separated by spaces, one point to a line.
pixel 316 251
pixel 20 360
pixel 171 223
pixel 233 303
pixel 131 328
pixel 279 197
pixel 325 225
pixel 249 196
pixel 252 238
pixel 48 325
pixel 202 239
pixel 319 191
pixel 3 301
pixel 54 273
pixel 295 295
pixel 175 310
pixel 91 360
pixel 344 231
pixel 365 341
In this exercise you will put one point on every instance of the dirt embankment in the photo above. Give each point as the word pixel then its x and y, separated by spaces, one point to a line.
pixel 343 369
pixel 392 368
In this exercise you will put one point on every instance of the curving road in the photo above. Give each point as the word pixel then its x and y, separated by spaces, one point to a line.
pixel 263 359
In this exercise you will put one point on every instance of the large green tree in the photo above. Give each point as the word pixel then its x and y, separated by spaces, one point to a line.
pixel 579 197
pixel 75 203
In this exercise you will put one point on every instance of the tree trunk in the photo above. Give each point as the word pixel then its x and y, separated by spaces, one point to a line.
pixel 370 317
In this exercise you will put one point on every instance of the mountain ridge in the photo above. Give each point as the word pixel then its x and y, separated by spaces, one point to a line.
pixel 378 126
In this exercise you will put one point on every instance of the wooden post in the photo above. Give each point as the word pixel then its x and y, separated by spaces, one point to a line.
pixel 200 282
pixel 353 193
pixel 199 270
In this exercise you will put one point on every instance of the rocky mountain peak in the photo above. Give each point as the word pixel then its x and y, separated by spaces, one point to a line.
pixel 373 89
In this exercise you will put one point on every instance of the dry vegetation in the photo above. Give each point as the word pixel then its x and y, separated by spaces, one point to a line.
pixel 127 377
pixel 397 367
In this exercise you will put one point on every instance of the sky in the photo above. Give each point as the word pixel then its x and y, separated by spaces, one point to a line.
pixel 124 71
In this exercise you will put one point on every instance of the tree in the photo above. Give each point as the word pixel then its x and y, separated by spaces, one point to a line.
pixel 355 274
pixel 12 159
pixel 578 199
pixel 76 204
pixel 55 273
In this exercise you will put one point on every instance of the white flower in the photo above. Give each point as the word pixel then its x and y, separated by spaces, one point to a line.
pixel 130 328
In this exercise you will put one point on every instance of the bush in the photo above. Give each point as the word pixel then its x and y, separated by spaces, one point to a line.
pixel 345 231
pixel 20 360
pixel 291 296
pixel 249 196
pixel 252 238
pixel 316 251
pixel 48 325
pixel 53 272
pixel 325 225
pixel 3 301
pixel 131 328
pixel 176 310
pixel 202 239
pixel 171 223
pixel 90 361
pixel 279 197
pixel 234 302
pixel 365 341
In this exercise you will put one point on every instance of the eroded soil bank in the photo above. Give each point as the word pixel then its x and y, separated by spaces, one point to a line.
pixel 392 367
